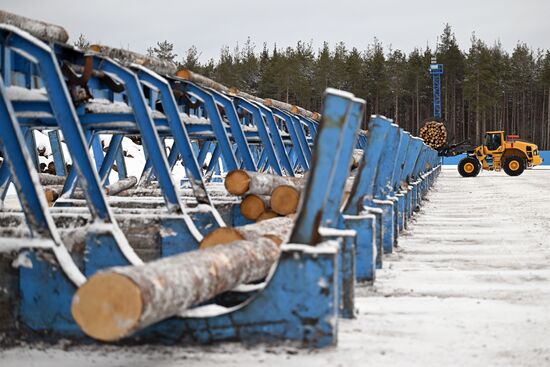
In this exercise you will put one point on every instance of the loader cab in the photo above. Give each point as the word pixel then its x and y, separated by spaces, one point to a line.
pixel 494 142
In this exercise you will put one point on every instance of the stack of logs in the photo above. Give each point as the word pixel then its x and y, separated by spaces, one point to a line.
pixel 264 195
pixel 268 196
pixel 434 134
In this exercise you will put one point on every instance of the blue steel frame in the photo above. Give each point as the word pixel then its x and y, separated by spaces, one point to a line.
pixel 436 71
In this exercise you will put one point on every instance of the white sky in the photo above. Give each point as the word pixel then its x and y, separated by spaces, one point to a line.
pixel 210 24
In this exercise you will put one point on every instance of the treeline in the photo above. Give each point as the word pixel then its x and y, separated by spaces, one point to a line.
pixel 483 88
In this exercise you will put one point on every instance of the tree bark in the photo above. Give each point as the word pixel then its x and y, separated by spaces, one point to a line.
pixel 39 29
pixel 46 179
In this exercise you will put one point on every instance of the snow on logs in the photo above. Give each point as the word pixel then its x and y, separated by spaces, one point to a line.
pixel 39 29
pixel 434 134
pixel 127 57
pixel 118 301
pixel 292 109
pixel 202 80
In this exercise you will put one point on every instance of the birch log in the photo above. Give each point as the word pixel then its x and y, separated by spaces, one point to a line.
pixel 292 109
pixel 116 302
pixel 202 80
pixel 53 192
pixel 121 185
pixel 128 57
pixel 233 91
pixel 277 229
pixel 46 179
pixel 240 182
pixel 39 29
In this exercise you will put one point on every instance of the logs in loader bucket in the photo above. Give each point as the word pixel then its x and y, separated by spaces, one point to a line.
pixel 308 207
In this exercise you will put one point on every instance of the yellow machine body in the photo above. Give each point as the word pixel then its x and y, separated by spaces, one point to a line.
pixel 496 153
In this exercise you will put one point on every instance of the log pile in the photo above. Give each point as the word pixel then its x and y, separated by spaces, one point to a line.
pixel 116 302
pixel 264 195
pixel 434 134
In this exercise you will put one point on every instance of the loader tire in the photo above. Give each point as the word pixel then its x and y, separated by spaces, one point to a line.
pixel 469 167
pixel 513 165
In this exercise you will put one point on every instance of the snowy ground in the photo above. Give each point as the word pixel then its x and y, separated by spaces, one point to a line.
pixel 469 286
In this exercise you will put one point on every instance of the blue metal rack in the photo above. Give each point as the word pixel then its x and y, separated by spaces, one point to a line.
pixel 436 71
pixel 340 240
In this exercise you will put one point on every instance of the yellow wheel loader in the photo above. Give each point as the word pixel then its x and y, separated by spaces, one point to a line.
pixel 497 153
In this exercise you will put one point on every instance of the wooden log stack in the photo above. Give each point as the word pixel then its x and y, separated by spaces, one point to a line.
pixel 434 134
pixel 116 302
pixel 264 195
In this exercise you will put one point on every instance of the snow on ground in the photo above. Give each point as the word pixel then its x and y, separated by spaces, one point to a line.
pixel 468 286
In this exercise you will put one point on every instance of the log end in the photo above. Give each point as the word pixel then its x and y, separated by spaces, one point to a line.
pixel 220 236
pixel 285 200
pixel 267 215
pixel 252 207
pixel 237 182
pixel 184 74
pixel 95 48
pixel 108 306
pixel 51 196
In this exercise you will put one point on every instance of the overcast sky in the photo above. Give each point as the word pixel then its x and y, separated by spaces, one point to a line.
pixel 210 24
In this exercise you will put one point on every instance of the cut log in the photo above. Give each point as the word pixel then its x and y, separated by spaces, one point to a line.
pixel 201 80
pixel 46 179
pixel 121 185
pixel 54 191
pixel 37 28
pixel 292 109
pixel 240 182
pixel 252 206
pixel 277 228
pixel 285 199
pixel 270 214
pixel 116 302
pixel 51 196
pixel 233 91
pixel 128 57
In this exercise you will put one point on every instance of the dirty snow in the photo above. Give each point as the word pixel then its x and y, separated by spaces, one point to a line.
pixel 468 286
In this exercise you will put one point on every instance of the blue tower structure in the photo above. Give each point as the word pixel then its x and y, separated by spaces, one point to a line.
pixel 436 70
